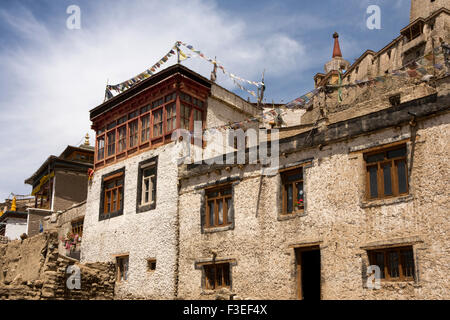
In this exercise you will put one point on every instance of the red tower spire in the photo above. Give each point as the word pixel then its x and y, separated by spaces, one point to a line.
pixel 337 49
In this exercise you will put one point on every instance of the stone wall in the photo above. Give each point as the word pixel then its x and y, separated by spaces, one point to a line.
pixel 141 236
pixel 32 269
pixel 423 8
pixel 337 219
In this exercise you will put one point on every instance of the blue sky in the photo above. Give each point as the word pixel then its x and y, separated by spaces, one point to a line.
pixel 50 76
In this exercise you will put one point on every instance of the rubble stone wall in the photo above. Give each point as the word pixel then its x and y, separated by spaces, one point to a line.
pixel 32 269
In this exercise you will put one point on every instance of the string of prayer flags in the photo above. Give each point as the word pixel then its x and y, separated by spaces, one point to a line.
pixel 213 61
pixel 142 76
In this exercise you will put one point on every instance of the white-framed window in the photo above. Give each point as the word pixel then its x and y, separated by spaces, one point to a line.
pixel 148 185
pixel 147 181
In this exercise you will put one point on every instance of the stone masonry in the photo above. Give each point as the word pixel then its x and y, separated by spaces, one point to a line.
pixel 32 269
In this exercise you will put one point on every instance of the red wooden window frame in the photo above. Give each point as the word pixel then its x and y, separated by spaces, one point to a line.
pixel 143 120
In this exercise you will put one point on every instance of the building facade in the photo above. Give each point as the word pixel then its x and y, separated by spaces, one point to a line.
pixel 361 188
pixel 132 205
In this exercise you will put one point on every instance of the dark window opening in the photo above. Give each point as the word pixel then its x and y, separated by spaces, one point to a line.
pixel 217 276
pixel 396 264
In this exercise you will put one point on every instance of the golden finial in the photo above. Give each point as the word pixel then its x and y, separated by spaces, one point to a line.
pixel 86 140
pixel 13 204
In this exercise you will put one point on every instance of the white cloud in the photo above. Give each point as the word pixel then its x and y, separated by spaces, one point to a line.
pixel 58 75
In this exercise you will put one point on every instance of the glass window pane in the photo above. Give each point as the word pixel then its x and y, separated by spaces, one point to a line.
pixel 401 171
pixel 226 275
pixel 393 264
pixel 300 199
pixel 375 158
pixel 396 153
pixel 210 215
pixel 379 261
pixel 153 188
pixel 289 198
pixel 387 179
pixel 220 204
pixel 114 200
pixel 373 184
pixel 108 202
pixel 407 263
pixel 219 276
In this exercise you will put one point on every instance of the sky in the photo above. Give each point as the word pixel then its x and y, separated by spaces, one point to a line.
pixel 51 76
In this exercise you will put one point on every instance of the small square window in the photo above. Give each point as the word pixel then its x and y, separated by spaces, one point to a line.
pixel 151 264
pixel 217 276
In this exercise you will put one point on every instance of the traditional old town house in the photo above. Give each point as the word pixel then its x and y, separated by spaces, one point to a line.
pixel 362 187
pixel 132 206
pixel 60 189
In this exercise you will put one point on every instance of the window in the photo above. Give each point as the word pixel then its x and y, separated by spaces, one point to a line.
pixel 122 139
pixel 395 100
pixel 112 195
pixel 217 276
pixel 133 133
pixel 151 264
pixel 170 97
pixel 145 128
pixel 396 264
pixel 185 116
pixel 292 191
pixel 146 197
pixel 386 173
pixel 148 185
pixel 122 268
pixel 111 143
pixel 185 97
pixel 157 123
pixel 171 116
pixel 100 148
pixel 218 207
pixel 77 227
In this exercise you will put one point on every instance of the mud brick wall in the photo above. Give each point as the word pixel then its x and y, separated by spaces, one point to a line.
pixel 33 270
